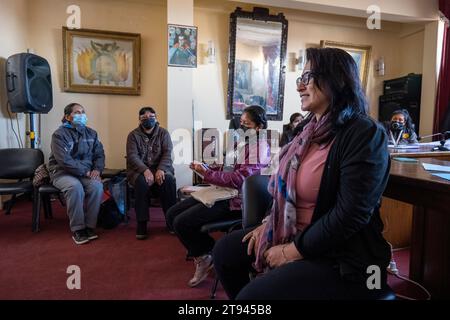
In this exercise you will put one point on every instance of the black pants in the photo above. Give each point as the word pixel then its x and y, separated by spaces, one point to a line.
pixel 142 191
pixel 188 216
pixel 298 280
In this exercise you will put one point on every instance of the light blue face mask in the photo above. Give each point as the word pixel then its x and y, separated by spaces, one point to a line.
pixel 79 120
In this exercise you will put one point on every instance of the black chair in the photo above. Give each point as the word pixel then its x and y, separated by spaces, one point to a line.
pixel 256 200
pixel 254 187
pixel 19 164
pixel 43 197
pixel 225 226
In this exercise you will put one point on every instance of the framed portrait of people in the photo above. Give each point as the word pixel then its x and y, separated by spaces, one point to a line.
pixel 182 46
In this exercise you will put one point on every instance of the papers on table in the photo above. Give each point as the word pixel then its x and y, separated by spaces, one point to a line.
pixel 405 146
pixel 442 172
pixel 435 167
pixel 445 176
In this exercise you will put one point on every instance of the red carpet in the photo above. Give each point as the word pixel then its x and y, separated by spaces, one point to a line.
pixel 116 266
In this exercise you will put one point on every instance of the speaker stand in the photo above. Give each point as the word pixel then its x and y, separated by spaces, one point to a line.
pixel 32 134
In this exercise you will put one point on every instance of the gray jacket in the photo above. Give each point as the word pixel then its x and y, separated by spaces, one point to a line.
pixel 144 153
pixel 75 150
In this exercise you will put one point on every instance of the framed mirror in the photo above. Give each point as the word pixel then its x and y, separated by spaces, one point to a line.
pixel 256 66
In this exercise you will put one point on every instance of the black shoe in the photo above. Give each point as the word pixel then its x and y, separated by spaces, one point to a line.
pixel 91 234
pixel 80 237
pixel 141 231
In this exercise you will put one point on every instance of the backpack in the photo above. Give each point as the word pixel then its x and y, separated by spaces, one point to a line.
pixel 109 216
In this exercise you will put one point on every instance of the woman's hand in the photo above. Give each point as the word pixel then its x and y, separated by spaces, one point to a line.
pixel 255 237
pixel 282 254
pixel 198 167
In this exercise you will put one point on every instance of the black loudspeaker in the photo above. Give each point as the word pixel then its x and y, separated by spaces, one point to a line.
pixel 401 93
pixel 29 83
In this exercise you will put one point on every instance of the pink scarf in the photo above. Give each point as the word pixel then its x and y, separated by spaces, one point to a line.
pixel 281 225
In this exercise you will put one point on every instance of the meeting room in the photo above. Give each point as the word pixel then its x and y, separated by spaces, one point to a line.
pixel 219 150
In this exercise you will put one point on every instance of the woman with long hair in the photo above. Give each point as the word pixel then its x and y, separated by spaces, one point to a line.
pixel 323 231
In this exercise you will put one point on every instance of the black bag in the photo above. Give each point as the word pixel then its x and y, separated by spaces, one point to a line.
pixel 109 216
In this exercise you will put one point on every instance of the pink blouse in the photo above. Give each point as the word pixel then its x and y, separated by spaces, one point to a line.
pixel 308 180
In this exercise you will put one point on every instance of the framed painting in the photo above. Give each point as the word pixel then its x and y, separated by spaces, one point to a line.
pixel 360 53
pixel 182 46
pixel 98 61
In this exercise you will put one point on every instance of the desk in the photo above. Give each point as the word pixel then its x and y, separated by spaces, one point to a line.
pixel 430 238
pixel 424 151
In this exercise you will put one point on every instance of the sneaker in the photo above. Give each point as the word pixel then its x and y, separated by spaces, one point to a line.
pixel 91 234
pixel 141 231
pixel 203 265
pixel 80 237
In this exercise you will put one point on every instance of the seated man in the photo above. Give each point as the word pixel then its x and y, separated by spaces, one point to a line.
pixel 76 161
pixel 149 167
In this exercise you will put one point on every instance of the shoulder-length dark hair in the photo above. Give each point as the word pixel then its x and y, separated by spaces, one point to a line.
pixel 336 74
pixel 409 125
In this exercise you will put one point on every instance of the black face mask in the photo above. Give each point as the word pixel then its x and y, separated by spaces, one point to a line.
pixel 244 128
pixel 148 123
pixel 397 126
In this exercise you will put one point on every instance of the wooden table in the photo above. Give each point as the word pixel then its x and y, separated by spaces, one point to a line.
pixel 430 238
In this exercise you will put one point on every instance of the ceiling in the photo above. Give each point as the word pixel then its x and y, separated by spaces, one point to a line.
pixel 391 10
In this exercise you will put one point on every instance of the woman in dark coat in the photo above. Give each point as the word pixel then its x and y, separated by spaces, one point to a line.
pixel 323 236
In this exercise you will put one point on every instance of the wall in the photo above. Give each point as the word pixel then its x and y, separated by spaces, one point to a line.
pixel 179 98
pixel 13 39
pixel 113 116
pixel 305 29
pixel 411 46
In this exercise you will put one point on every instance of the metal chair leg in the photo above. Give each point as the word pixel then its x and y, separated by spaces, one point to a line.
pixel 214 288
pixel 47 206
pixel 36 211
pixel 61 199
pixel 10 204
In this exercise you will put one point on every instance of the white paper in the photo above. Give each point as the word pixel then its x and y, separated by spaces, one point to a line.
pixel 404 146
pixel 435 167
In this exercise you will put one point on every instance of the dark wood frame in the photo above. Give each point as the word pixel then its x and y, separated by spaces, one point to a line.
pixel 261 14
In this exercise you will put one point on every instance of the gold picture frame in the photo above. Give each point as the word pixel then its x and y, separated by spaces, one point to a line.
pixel 97 61
pixel 360 53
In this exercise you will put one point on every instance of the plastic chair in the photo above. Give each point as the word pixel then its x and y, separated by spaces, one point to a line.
pixel 18 164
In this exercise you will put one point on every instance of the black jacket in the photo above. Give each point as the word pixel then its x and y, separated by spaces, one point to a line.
pixel 75 151
pixel 154 153
pixel 346 224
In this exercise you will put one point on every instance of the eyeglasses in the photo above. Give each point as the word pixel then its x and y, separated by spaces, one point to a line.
pixel 305 78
